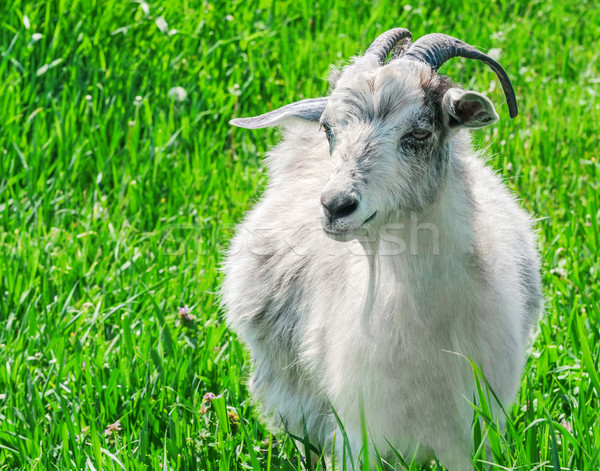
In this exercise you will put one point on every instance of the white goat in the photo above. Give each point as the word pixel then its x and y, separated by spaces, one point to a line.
pixel 382 254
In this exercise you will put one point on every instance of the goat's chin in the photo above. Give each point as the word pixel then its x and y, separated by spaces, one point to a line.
pixel 341 236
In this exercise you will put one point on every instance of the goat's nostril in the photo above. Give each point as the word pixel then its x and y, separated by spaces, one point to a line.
pixel 339 206
pixel 345 208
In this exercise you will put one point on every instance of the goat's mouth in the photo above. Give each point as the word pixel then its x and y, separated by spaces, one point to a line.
pixel 369 219
pixel 343 231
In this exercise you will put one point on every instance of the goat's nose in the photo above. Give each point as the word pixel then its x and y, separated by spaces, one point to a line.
pixel 338 205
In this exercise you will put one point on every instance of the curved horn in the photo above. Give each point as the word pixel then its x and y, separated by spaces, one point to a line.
pixel 310 109
pixel 387 41
pixel 435 49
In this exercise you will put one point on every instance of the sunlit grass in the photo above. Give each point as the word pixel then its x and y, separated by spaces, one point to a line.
pixel 117 201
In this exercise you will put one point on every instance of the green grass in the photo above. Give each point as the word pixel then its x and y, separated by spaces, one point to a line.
pixel 115 210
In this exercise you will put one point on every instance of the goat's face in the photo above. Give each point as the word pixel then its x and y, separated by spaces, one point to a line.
pixel 389 127
pixel 387 143
pixel 388 133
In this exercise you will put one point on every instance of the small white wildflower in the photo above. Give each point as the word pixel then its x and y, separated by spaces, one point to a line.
pixel 178 94
pixel 494 53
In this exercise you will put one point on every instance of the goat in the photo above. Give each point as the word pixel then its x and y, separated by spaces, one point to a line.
pixel 382 255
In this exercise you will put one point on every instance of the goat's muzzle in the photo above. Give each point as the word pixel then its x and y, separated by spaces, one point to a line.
pixel 344 213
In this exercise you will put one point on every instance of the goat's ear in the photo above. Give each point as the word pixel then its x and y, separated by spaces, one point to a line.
pixel 463 108
pixel 310 109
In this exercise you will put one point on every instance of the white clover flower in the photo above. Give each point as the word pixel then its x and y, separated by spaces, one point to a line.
pixel 178 94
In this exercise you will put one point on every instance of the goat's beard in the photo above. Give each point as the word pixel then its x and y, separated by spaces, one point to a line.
pixel 371 250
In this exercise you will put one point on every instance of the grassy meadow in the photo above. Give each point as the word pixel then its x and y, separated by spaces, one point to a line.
pixel 119 193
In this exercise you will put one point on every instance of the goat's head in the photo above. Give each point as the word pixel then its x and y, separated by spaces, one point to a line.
pixel 389 126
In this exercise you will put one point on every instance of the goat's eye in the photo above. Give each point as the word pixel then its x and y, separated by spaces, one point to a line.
pixel 328 131
pixel 420 133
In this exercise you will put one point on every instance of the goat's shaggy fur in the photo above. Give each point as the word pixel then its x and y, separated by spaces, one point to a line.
pixel 449 257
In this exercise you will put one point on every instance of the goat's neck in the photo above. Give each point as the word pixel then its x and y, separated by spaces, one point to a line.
pixel 437 238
